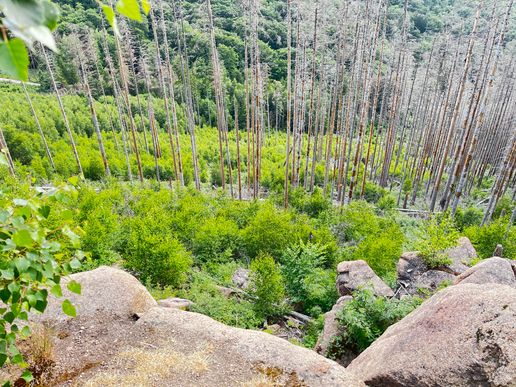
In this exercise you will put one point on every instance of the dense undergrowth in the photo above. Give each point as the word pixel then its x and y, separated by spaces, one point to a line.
pixel 182 242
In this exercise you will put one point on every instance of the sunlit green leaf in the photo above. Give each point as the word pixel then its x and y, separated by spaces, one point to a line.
pixel 130 9
pixel 67 214
pixel 74 180
pixel 56 290
pixel 74 238
pixel 21 264
pixel 69 309
pixel 111 18
pixel 25 331
pixel 20 202
pixel 7 274
pixel 146 6
pixel 27 376
pixel 14 59
pixel 75 264
pixel 22 238
pixel 74 287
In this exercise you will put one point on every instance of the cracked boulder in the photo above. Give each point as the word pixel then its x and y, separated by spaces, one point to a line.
pixel 461 336
pixel 493 270
pixel 461 256
pixel 353 275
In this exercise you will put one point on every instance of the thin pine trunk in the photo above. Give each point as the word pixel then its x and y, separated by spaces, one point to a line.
pixel 40 130
pixel 63 111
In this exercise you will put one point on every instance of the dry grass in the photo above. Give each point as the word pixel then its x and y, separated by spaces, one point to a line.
pixel 38 351
pixel 260 381
pixel 146 367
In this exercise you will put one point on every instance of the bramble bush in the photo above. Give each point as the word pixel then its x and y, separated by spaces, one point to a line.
pixel 365 235
pixel 470 216
pixel 357 221
pixel 366 317
pixel 382 249
pixel 269 232
pixel 101 224
pixel 311 204
pixel 310 287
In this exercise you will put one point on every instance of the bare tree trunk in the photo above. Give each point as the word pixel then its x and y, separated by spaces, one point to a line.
pixel 187 90
pixel 40 130
pixel 171 91
pixel 63 112
pixel 125 95
pixel 456 110
pixel 94 118
pixel 238 151
pixel 219 97
pixel 5 150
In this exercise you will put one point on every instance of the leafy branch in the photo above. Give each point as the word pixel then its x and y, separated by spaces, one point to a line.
pixel 32 21
pixel 32 262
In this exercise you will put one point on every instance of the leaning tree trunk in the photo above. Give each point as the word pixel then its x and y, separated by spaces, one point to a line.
pixel 63 111
pixel 5 150
pixel 40 130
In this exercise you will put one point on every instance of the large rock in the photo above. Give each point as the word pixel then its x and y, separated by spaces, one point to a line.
pixel 461 256
pixel 235 350
pixel 104 290
pixel 331 330
pixel 353 275
pixel 494 270
pixel 462 336
pixel 432 280
pixel 121 337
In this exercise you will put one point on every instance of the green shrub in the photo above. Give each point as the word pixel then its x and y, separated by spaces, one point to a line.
pixel 312 332
pixel 94 169
pixel 267 286
pixel 154 253
pixel 358 220
pixel 386 203
pixel 367 316
pixel 216 240
pixel 310 287
pixel 471 216
pixel 310 204
pixel 372 192
pixel 382 250
pixel 503 207
pixel 222 273
pixel 210 301
pixel 486 238
pixel 270 232
pixel 438 234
